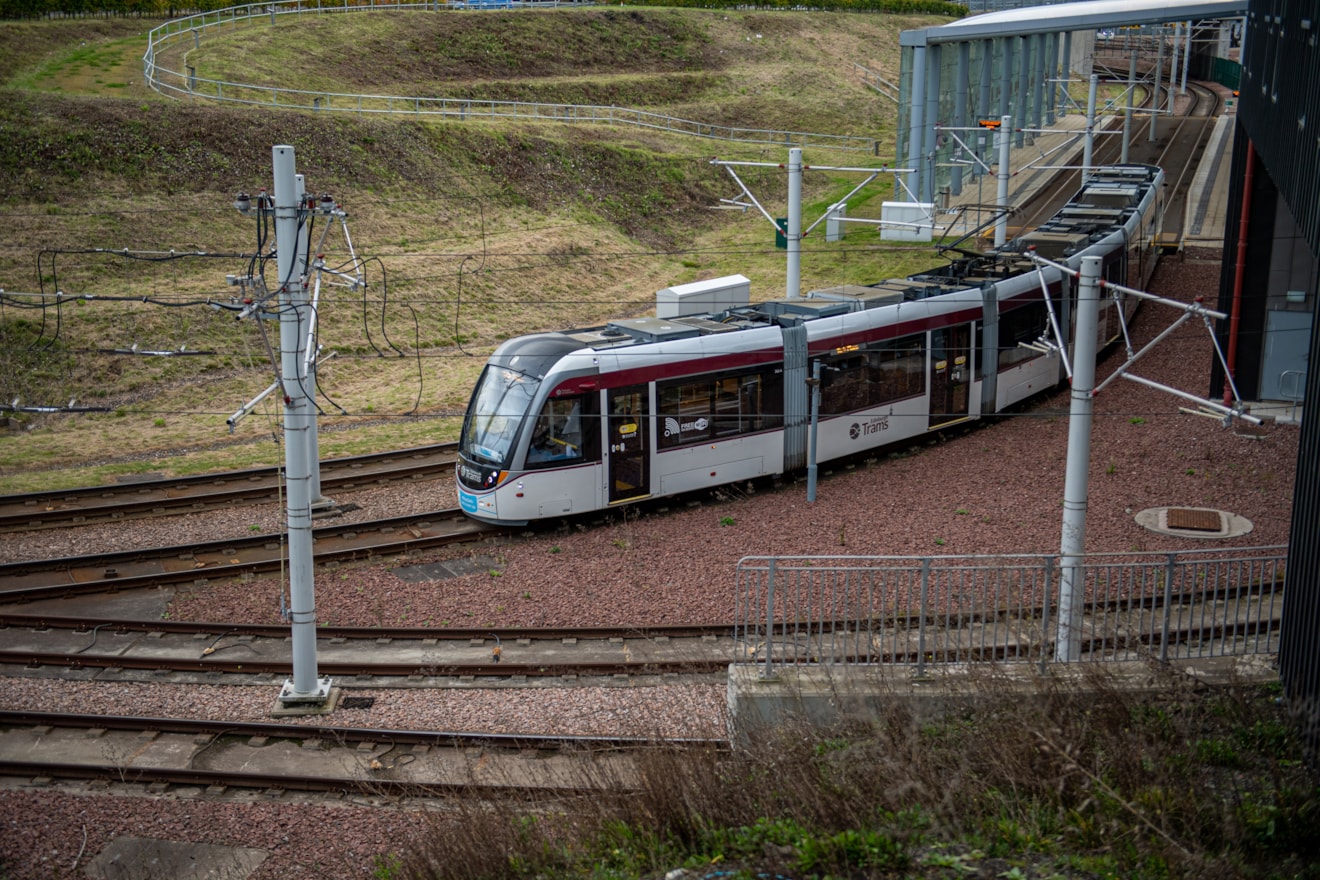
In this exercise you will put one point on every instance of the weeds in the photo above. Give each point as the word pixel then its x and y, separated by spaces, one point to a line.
pixel 1065 781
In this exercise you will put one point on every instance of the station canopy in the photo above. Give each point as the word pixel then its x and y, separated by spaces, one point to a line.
pixel 1013 63
pixel 1089 15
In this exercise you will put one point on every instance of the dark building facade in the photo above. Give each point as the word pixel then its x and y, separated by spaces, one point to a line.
pixel 1270 281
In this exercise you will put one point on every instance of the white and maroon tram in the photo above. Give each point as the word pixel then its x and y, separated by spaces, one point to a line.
pixel 714 389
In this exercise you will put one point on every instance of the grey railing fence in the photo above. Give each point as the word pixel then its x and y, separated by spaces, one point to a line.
pixel 918 611
pixel 876 81
pixel 173 40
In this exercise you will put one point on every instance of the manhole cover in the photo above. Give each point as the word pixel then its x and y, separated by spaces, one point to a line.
pixel 1194 519
pixel 1194 522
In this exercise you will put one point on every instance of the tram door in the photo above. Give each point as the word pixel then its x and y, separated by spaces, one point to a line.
pixel 950 374
pixel 629 458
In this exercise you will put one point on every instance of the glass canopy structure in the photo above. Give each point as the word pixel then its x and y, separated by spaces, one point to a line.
pixel 1012 63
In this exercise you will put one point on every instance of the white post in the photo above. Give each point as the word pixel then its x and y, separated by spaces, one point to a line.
pixel 1159 72
pixel 917 121
pixel 1131 95
pixel 793 234
pixel 307 329
pixel 1075 487
pixel 1088 146
pixel 304 687
pixel 1173 62
pixel 1001 225
pixel 960 82
pixel 1187 56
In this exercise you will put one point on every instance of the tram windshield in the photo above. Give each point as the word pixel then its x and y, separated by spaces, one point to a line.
pixel 499 406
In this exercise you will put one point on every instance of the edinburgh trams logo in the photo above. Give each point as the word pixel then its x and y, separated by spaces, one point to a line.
pixel 872 426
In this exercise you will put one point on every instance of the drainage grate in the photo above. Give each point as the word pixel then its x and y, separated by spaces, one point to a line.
pixel 356 702
pixel 1194 520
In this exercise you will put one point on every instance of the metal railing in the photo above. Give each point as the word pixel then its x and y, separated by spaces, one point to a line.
pixel 1292 387
pixel 916 611
pixel 187 84
pixel 876 81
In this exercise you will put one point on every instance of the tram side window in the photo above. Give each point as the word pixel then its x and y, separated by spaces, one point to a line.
pixel 843 384
pixel 702 408
pixel 1116 269
pixel 896 368
pixel 685 412
pixel 737 404
pixel 879 373
pixel 564 432
pixel 1136 260
pixel 1022 325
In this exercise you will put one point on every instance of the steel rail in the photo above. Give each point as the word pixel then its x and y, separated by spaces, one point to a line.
pixel 1180 189
pixel 170 43
pixel 278 782
pixel 136 569
pixel 805 652
pixel 279 631
pixel 514 634
pixel 554 669
pixel 334 733
pixel 115 502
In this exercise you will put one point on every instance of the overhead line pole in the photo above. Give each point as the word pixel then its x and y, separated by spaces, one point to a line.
pixel 791 229
pixel 1072 547
pixel 305 687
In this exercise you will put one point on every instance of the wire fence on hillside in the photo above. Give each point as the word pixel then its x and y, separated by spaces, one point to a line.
pixel 171 42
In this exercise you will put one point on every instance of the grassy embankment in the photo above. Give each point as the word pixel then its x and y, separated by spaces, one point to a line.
pixel 475 231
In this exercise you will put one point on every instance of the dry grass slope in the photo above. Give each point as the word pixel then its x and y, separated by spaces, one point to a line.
pixel 476 232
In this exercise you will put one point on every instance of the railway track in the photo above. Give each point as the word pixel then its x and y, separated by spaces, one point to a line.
pixel 430 657
pixel 1182 157
pixel 153 567
pixel 387 657
pixel 62 508
pixel 219 756
pixel 1178 150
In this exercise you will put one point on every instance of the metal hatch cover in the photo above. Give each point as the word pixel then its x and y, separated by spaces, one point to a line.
pixel 1194 522
pixel 1195 519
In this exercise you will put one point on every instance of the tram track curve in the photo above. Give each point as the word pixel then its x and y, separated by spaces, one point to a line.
pixel 153 567
pixel 59 508
pixel 430 657
pixel 387 656
pixel 217 756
